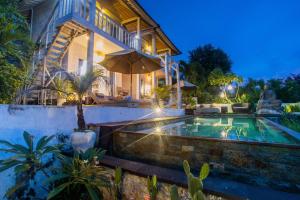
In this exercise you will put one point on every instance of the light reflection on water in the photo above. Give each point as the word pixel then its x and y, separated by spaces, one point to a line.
pixel 229 128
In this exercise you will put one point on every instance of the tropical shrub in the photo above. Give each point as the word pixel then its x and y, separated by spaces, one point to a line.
pixel 15 50
pixel 162 93
pixel 290 121
pixel 79 177
pixel 152 187
pixel 291 108
pixel 117 184
pixel 28 161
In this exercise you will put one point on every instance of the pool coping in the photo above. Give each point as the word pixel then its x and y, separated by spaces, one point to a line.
pixel 119 128
pixel 289 131
pixel 216 186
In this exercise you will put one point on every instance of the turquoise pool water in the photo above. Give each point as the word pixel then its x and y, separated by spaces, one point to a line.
pixel 227 128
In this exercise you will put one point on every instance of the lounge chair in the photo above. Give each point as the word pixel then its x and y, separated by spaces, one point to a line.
pixel 207 110
pixel 241 108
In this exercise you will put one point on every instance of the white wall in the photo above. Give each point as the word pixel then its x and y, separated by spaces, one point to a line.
pixel 64 118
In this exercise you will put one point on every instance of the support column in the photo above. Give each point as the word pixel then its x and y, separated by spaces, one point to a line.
pixel 138 34
pixel 154 81
pixel 90 51
pixel 166 68
pixel 138 87
pixel 179 97
pixel 139 48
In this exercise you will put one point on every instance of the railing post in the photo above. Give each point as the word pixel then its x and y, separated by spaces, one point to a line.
pixel 179 97
pixel 92 11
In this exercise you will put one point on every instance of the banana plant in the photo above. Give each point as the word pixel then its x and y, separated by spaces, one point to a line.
pixel 195 184
pixel 152 187
pixel 79 178
pixel 117 184
pixel 27 160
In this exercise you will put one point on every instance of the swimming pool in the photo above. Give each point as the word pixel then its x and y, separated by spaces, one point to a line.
pixel 246 149
pixel 228 128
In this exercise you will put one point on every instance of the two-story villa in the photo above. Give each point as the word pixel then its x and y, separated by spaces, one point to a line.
pixel 77 34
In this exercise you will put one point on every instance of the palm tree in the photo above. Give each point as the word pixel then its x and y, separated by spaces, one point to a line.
pixel 80 85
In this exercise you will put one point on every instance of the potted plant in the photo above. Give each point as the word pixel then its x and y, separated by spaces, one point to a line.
pixel 82 138
pixel 60 87
pixel 162 95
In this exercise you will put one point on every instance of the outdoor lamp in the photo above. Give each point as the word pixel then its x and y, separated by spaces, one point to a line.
pixel 229 87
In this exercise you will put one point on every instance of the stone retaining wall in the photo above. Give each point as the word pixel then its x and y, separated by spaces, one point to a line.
pixel 259 164
pixel 135 188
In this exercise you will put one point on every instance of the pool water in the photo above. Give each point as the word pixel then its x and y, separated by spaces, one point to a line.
pixel 227 128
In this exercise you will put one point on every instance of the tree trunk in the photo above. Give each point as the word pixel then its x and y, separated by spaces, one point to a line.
pixel 80 117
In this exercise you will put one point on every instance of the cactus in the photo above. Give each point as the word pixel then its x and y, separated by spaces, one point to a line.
pixel 195 184
pixel 152 187
pixel 174 193
pixel 117 183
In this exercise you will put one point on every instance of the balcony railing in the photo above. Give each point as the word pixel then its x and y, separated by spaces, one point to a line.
pixel 108 25
pixel 82 9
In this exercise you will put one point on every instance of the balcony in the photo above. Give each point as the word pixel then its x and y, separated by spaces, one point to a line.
pixel 83 12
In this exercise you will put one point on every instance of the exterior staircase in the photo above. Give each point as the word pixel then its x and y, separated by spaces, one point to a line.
pixel 53 46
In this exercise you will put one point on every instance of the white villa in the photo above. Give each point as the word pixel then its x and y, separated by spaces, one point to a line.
pixel 77 34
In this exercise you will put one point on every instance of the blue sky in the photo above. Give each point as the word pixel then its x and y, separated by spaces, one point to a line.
pixel 262 37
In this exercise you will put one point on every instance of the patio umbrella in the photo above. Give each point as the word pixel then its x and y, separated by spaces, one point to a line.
pixel 185 85
pixel 131 62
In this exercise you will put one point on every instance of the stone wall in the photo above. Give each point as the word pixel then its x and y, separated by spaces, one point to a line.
pixel 135 188
pixel 259 164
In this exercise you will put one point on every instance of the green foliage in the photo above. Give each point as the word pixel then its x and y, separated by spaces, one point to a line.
pixel 222 81
pixel 79 178
pixel 162 93
pixel 202 61
pixel 287 90
pixel 27 160
pixel 291 108
pixel 290 121
pixel 15 50
pixel 190 102
pixel 174 193
pixel 195 184
pixel 80 85
pixel 117 184
pixel 152 187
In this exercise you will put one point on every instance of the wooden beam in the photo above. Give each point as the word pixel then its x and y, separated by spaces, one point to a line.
pixel 130 20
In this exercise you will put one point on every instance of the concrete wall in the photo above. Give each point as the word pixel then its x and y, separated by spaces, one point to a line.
pixel 64 118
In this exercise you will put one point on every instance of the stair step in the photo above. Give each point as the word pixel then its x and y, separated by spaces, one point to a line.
pixel 54 53
pixel 56 42
pixel 56 49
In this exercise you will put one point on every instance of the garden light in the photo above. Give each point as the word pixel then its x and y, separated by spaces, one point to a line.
pixel 157 110
pixel 229 87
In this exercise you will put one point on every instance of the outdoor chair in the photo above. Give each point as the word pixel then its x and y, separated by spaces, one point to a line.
pixel 241 108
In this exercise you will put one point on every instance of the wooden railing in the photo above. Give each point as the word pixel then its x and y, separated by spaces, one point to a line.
pixel 108 25
pixel 82 8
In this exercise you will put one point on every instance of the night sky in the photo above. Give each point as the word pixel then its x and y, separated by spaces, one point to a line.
pixel 262 37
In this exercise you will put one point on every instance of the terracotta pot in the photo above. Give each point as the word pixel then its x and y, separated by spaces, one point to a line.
pixel 83 140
